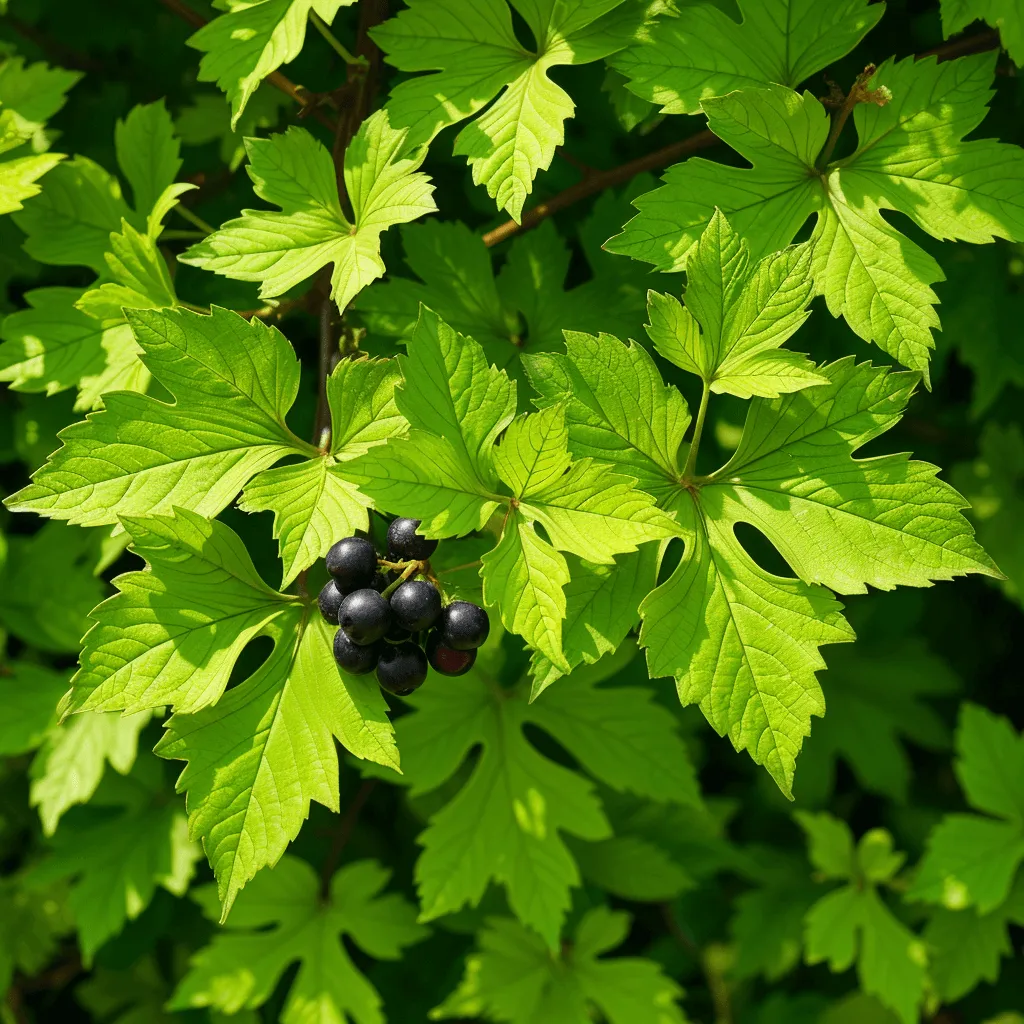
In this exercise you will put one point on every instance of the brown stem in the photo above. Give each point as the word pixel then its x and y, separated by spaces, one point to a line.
pixel 328 346
pixel 978 43
pixel 56 51
pixel 599 181
pixel 677 931
pixel 342 835
pixel 301 96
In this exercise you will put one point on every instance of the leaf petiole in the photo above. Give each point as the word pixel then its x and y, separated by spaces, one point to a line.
pixel 698 429
pixel 325 30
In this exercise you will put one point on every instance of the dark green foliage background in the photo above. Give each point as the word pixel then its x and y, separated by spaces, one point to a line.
pixel 133 51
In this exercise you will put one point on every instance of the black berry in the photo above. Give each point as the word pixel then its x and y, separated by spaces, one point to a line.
pixel 401 668
pixel 397 634
pixel 447 660
pixel 329 601
pixel 354 658
pixel 405 542
pixel 415 605
pixel 365 616
pixel 380 581
pixel 464 625
pixel 352 562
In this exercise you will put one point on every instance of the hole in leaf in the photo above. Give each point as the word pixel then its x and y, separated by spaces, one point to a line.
pixel 254 654
pixel 762 551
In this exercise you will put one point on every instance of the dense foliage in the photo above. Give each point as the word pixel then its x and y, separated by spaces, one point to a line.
pixel 352 263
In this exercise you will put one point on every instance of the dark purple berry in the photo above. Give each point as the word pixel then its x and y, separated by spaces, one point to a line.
pixel 380 581
pixel 404 541
pixel 364 616
pixel 401 668
pixel 447 660
pixel 415 605
pixel 329 601
pixel 354 658
pixel 464 626
pixel 396 634
pixel 352 562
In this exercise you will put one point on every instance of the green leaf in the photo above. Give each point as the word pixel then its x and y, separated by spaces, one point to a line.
pixel 447 473
pixel 745 313
pixel 282 918
pixel 631 868
pixel 910 158
pixel 992 484
pixel 1001 14
pixel 208 119
pixel 46 617
pixel 853 925
pixel 981 311
pixel 476 57
pixel 69 338
pixel 32 919
pixel 875 697
pixel 618 409
pixel 29 695
pixel 703 52
pixel 118 862
pixel 424 477
pixel 147 153
pixel 526 578
pixel 768 924
pixel 966 947
pixel 742 643
pixel 514 978
pixel 523 308
pixel 584 509
pixel 19 175
pixel 781 133
pixel 506 822
pixel 714 624
pixel 266 749
pixel 838 520
pixel 850 925
pixel 296 173
pixel 51 345
pixel 451 391
pixel 71 222
pixel 971 860
pixel 35 92
pixel 243 46
pixel 830 846
pixel 172 636
pixel 313 502
pixel 222 370
pixel 602 604
pixel 71 762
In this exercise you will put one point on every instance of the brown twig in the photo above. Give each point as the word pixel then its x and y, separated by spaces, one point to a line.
pixel 306 100
pixel 56 51
pixel 964 45
pixel 342 835
pixel 599 181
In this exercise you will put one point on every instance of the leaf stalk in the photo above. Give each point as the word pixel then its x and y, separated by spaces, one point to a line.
pixel 325 30
pixel 698 429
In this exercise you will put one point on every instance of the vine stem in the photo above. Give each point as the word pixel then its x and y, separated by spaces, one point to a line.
pixel 194 219
pixel 698 429
pixel 333 41
pixel 598 181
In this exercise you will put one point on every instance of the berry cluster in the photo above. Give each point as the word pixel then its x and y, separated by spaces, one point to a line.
pixel 390 614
